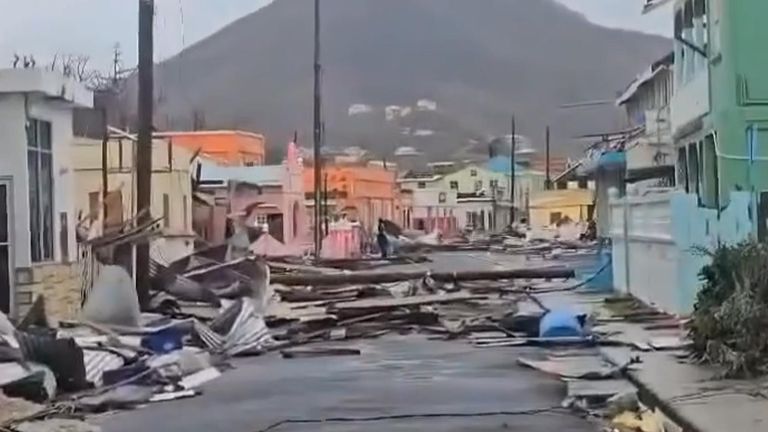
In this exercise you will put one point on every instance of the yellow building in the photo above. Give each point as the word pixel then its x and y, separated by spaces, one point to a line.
pixel 171 183
pixel 552 206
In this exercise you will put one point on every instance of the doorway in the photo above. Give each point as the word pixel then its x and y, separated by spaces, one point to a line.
pixel 5 245
pixel 275 222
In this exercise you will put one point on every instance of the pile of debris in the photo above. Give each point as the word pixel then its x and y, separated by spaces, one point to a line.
pixel 222 301
pixel 115 357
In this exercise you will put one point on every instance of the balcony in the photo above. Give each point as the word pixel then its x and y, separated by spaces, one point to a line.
pixel 689 103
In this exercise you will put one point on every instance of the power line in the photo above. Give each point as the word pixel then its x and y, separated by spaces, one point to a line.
pixel 529 412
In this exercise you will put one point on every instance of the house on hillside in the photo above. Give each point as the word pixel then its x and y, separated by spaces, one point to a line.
pixel 38 250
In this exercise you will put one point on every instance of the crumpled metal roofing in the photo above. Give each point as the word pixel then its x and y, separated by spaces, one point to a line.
pixel 97 362
pixel 248 332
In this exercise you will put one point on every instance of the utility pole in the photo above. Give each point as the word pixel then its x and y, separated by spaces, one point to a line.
pixel 326 219
pixel 548 178
pixel 317 135
pixel 144 144
pixel 512 173
pixel 104 167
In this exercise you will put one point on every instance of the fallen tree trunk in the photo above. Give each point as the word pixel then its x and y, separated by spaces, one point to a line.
pixel 388 277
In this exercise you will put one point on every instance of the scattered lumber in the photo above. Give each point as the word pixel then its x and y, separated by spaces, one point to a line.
pixel 374 277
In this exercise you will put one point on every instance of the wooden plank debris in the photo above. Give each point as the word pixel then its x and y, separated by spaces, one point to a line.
pixel 318 352
pixel 383 304
pixel 388 277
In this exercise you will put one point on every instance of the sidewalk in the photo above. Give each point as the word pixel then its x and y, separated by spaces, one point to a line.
pixel 686 393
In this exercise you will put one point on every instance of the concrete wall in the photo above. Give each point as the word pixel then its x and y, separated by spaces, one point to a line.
pixel 658 262
pixel 58 283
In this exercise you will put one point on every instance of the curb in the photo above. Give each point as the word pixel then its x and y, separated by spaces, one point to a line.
pixel 651 399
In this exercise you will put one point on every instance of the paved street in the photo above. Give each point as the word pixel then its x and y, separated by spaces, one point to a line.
pixel 394 375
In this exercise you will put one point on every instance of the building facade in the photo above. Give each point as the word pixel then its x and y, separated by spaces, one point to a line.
pixel 226 147
pixel 720 105
pixel 362 191
pixel 719 119
pixel 649 149
pixel 172 194
pixel 37 189
pixel 269 195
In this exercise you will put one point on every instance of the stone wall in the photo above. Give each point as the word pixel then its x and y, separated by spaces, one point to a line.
pixel 58 283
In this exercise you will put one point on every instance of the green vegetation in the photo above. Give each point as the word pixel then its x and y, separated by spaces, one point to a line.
pixel 729 326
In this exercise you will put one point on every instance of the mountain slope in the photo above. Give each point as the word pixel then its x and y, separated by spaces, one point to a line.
pixel 480 60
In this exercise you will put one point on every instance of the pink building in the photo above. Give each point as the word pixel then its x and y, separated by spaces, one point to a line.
pixel 270 195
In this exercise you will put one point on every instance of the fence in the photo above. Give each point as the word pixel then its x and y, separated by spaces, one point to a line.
pixel 655 257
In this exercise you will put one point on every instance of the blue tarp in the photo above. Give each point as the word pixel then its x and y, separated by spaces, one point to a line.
pixel 560 323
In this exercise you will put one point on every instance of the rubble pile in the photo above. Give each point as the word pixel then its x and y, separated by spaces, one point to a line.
pixel 222 302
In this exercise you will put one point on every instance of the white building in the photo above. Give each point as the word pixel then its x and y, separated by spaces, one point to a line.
pixel 426 105
pixel 37 202
pixel 357 109
pixel 650 152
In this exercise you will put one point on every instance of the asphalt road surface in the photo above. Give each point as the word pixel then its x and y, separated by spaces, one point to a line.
pixel 395 375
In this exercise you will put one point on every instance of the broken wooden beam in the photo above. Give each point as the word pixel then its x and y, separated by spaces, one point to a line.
pixel 373 277
pixel 400 259
pixel 367 306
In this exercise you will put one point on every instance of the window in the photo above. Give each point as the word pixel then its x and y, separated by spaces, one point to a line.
pixel 40 173
pixel 494 184
pixel 473 173
pixel 454 185
pixel 421 185
pixel 261 220
pixel 478 185
pixel 442 197
pixel 166 210
pixel 710 176
pixel 693 168
pixel 682 169
pixel 716 13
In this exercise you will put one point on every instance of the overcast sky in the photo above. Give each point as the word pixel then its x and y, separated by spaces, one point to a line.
pixel 93 27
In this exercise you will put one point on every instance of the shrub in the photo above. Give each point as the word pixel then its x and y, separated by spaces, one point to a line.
pixel 729 326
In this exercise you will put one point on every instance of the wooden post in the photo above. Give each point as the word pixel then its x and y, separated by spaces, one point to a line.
pixel 144 144
pixel 317 135
pixel 548 178
pixel 512 173
pixel 104 163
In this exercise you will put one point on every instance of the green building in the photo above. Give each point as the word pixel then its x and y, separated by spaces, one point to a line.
pixel 719 110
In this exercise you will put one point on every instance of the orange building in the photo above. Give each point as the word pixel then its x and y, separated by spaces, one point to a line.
pixel 363 192
pixel 227 147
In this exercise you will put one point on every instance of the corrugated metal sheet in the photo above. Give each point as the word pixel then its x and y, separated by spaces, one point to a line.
pixel 248 333
pixel 97 362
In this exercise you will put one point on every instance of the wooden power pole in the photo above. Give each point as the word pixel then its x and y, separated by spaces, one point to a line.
pixel 144 144
pixel 512 173
pixel 317 135
pixel 548 178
